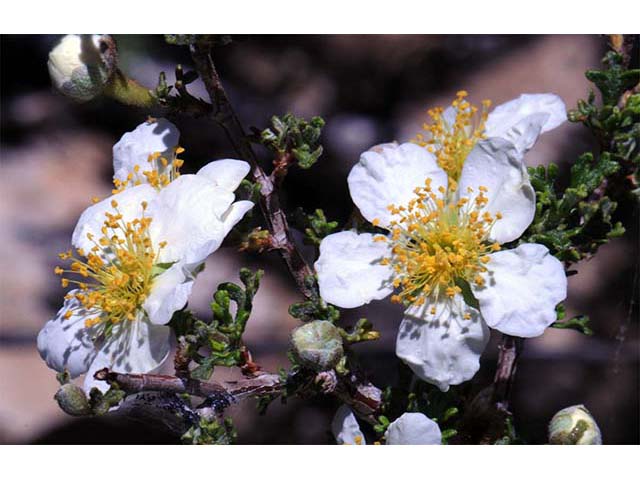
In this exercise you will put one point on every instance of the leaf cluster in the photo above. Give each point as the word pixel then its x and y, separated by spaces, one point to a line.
pixel 211 431
pixel 315 225
pixel 299 137
pixel 574 222
pixel 221 337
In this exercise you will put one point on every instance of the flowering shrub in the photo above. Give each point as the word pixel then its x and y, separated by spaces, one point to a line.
pixel 453 225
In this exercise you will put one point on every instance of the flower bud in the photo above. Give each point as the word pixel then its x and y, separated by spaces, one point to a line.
pixel 574 426
pixel 80 66
pixel 72 400
pixel 318 344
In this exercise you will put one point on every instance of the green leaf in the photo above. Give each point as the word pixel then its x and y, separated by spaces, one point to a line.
pixel 290 134
pixel 315 225
pixel 579 323
pixel 222 336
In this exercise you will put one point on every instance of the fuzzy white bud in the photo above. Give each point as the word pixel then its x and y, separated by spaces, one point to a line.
pixel 80 66
pixel 72 400
pixel 318 344
pixel 574 426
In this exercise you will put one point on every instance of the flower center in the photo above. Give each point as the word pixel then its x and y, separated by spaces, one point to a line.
pixel 452 139
pixel 115 277
pixel 436 245
pixel 160 173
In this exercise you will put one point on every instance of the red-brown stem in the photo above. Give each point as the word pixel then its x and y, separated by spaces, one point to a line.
pixel 274 216
pixel 508 352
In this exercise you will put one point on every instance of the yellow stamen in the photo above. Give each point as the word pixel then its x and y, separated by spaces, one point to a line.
pixel 118 270
pixel 161 172
pixel 434 245
pixel 452 142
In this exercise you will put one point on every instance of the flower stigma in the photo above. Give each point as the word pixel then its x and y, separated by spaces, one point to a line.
pixel 452 142
pixel 115 277
pixel 436 245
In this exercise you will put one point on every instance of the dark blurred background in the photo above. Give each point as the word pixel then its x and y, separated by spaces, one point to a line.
pixel 56 154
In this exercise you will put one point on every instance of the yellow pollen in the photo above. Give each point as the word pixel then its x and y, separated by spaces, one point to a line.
pixel 117 274
pixel 451 139
pixel 435 245
pixel 160 172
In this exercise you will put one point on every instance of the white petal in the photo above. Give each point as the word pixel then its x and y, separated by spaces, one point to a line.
pixel 226 173
pixel 133 347
pixel 92 219
pixel 135 147
pixel 521 120
pixel 346 429
pixel 349 272
pixel 388 174
pixel 496 164
pixel 443 349
pixel 189 215
pixel 524 134
pixel 66 343
pixel 413 428
pixel 523 287
pixel 235 213
pixel 169 293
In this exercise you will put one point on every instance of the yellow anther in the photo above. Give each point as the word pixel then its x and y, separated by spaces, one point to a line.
pixel 116 289
pixel 452 141
pixel 375 222
pixel 435 244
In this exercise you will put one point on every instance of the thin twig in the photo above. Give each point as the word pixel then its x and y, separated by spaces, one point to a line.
pixel 274 216
pixel 261 384
pixel 362 396
pixel 508 353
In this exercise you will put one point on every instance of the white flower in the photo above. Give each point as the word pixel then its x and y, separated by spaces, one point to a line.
pixel 447 214
pixel 408 429
pixel 137 255
pixel 413 428
pixel 345 428
pixel 80 66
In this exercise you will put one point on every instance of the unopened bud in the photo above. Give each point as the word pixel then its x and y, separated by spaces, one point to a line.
pixel 72 400
pixel 80 66
pixel 574 426
pixel 318 344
